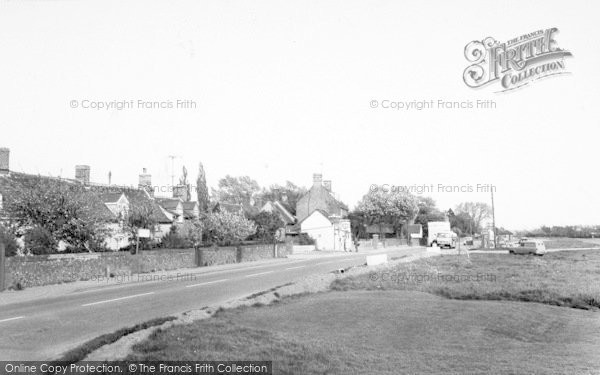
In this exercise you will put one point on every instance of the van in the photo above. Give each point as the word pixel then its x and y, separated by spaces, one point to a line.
pixel 527 246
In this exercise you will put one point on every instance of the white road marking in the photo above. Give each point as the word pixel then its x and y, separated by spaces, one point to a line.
pixel 293 268
pixel 260 273
pixel 117 299
pixel 9 319
pixel 338 260
pixel 332 261
pixel 206 283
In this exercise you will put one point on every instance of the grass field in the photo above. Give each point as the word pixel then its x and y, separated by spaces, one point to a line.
pixel 443 315
pixel 568 278
pixel 558 243
pixel 390 332
pixel 569 243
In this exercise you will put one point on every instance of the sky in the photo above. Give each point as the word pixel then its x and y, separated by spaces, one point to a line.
pixel 282 90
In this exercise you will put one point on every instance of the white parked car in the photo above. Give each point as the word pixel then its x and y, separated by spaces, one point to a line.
pixel 527 246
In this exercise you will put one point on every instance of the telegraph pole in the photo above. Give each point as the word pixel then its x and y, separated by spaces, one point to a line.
pixel 172 157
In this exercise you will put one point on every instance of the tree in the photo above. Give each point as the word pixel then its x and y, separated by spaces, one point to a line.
pixel 358 224
pixel 393 208
pixel 463 222
pixel 202 190
pixel 7 237
pixel 237 190
pixel 267 225
pixel 184 182
pixel 141 216
pixel 476 211
pixel 428 211
pixel 226 228
pixel 288 195
pixel 59 211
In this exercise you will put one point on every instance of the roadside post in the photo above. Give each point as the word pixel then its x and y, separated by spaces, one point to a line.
pixel 198 256
pixel 2 267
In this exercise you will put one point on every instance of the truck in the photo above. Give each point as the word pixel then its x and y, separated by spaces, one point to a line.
pixel 439 234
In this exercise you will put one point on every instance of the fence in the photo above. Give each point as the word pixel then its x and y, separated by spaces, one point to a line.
pixel 376 243
pixel 22 272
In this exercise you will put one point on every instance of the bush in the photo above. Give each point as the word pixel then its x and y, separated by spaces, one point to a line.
pixel 304 239
pixel 39 241
pixel 175 241
pixel 183 236
pixel 10 242
pixel 267 226
pixel 226 228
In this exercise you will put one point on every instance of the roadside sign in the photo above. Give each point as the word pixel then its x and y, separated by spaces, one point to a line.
pixel 143 233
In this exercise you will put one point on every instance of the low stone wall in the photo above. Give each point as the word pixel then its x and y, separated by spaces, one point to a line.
pixel 43 270
pixel 388 242
pixel 303 249
pixel 23 272
pixel 218 255
pixel 257 252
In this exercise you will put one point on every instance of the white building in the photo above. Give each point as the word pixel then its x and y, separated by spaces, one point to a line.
pixel 330 233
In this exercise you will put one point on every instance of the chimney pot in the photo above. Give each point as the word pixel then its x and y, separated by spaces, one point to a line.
pixel 317 179
pixel 82 174
pixel 145 181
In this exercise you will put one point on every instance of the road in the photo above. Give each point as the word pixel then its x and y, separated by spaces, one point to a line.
pixel 42 328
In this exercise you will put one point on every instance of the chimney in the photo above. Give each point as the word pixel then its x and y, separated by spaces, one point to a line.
pixel 327 185
pixel 182 192
pixel 317 179
pixel 82 174
pixel 4 160
pixel 145 181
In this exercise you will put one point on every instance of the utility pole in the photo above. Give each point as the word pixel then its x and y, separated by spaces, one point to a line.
pixel 172 157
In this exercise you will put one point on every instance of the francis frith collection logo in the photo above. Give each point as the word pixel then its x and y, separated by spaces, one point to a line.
pixel 514 63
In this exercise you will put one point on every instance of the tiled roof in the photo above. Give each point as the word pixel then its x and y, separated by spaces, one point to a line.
pixel 110 197
pixel 135 196
pixel 318 197
pixel 189 205
pixel 229 207
pixel 169 204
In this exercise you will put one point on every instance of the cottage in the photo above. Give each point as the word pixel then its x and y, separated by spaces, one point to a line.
pixel 191 210
pixel 173 208
pixel 323 217
pixel 109 203
pixel 320 197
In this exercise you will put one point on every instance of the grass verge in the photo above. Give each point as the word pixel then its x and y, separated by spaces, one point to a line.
pixel 570 279
pixel 388 332
pixel 79 353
